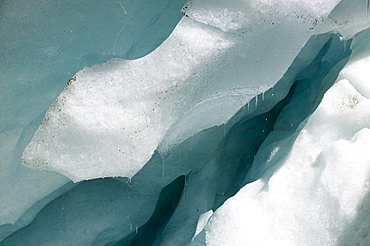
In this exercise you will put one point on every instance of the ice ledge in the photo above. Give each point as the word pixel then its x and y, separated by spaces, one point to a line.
pixel 113 116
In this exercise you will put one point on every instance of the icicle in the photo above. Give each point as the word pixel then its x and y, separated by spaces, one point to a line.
pixel 344 44
pixel 128 182
pixel 186 184
pixel 123 8
pixel 248 106
pixel 137 229
pixel 367 8
pixel 263 96
pixel 256 99
pixel 61 211
pixel 130 227
pixel 163 166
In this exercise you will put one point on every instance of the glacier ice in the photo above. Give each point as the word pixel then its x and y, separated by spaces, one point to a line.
pixel 42 46
pixel 249 139
pixel 110 120
pixel 99 125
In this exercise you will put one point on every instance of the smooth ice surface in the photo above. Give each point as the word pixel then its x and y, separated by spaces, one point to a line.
pixel 113 116
pixel 321 188
pixel 60 221
pixel 43 43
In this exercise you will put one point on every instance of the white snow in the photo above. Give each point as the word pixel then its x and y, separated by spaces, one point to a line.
pixel 319 195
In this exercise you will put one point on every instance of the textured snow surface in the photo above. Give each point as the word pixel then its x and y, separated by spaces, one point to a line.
pixel 321 188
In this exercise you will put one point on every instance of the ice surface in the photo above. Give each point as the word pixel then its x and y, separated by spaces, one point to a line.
pixel 246 16
pixel 43 43
pixel 349 17
pixel 60 221
pixel 111 119
pixel 113 116
pixel 326 175
pixel 202 222
pixel 213 162
pixel 241 113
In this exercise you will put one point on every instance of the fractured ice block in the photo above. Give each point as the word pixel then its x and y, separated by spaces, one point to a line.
pixel 113 116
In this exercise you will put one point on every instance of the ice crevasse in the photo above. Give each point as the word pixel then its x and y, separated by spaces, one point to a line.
pixel 248 124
